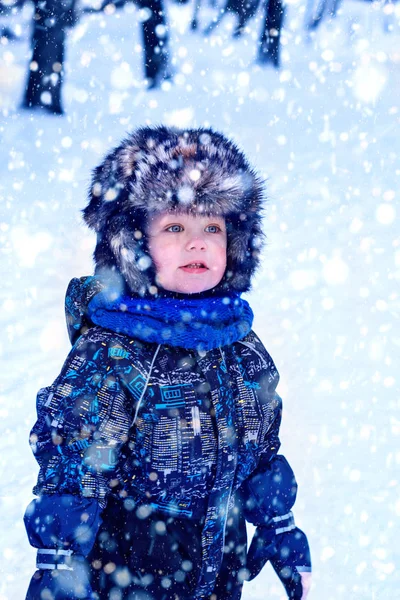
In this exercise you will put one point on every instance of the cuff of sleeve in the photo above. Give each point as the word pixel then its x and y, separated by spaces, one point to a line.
pixel 56 558
pixel 63 522
pixel 281 523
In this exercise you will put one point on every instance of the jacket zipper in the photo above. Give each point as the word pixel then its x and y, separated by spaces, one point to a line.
pixel 146 384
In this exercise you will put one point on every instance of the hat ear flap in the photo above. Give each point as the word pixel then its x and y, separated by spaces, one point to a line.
pixel 130 251
pixel 106 194
pixel 245 241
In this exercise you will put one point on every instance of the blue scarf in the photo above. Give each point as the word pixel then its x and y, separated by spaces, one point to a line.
pixel 193 323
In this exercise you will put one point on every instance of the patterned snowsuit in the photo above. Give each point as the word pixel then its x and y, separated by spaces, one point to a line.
pixel 151 457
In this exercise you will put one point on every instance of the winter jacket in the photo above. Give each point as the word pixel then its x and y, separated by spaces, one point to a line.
pixel 151 424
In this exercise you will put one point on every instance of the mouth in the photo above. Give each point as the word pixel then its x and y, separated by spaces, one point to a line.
pixel 194 267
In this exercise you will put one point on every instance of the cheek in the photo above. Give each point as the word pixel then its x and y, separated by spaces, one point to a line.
pixel 221 260
pixel 161 255
pixel 156 251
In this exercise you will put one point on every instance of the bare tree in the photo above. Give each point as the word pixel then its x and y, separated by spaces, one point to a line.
pixel 46 67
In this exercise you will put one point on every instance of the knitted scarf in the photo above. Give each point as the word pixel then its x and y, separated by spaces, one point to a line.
pixel 193 323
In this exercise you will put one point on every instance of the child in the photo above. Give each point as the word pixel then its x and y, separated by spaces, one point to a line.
pixel 159 438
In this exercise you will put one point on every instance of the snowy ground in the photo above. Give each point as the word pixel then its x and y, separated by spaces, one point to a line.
pixel 325 132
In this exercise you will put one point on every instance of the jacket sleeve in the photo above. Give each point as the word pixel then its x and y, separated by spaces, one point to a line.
pixel 268 495
pixel 270 491
pixel 82 422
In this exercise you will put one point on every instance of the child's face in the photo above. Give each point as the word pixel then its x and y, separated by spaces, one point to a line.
pixel 189 251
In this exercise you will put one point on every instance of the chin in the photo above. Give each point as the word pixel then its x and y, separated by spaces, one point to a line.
pixel 188 287
pixel 194 289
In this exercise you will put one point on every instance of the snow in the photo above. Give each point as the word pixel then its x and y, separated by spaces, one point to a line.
pixel 324 132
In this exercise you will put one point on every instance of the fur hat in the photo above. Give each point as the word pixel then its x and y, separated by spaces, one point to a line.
pixel 155 169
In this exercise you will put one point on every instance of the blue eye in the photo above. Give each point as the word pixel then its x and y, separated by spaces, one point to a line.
pixel 175 228
pixel 213 229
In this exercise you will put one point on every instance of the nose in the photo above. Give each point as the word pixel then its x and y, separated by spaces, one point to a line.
pixel 196 243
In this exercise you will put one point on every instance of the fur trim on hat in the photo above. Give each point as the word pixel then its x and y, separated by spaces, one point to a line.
pixel 156 169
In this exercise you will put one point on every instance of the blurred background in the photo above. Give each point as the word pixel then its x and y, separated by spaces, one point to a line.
pixel 311 92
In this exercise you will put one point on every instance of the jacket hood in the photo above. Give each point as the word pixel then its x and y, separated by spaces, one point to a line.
pixel 157 169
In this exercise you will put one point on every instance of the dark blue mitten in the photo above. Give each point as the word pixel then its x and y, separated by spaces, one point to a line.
pixel 288 552
pixel 68 583
pixel 292 558
pixel 266 542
